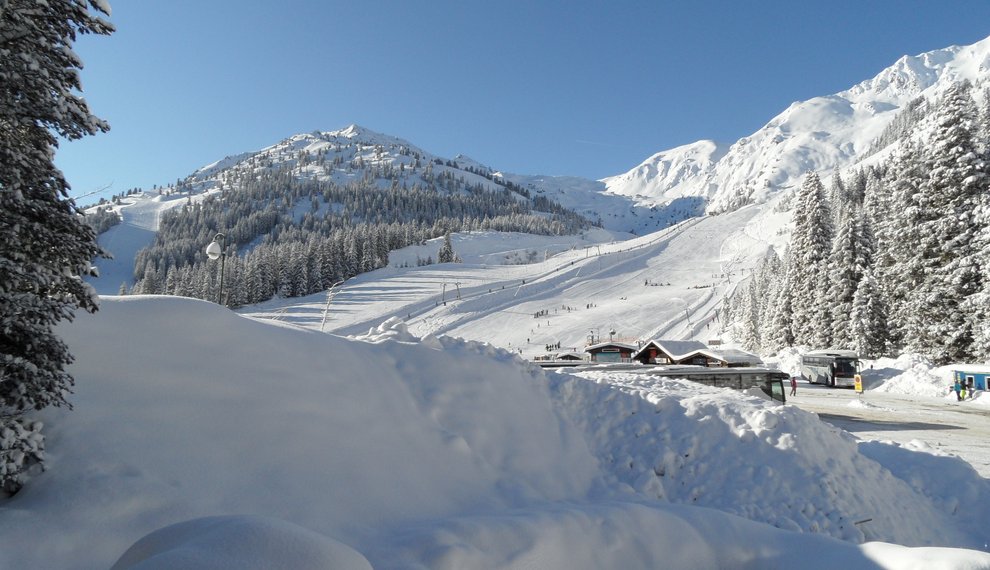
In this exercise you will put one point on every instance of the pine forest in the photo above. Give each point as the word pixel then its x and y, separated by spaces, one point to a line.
pixel 891 257
pixel 292 236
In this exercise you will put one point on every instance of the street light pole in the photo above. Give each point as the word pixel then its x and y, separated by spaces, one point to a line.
pixel 218 249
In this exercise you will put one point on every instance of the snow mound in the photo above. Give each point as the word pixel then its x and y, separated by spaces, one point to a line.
pixel 242 542
pixel 908 374
pixel 449 453
pixel 392 329
pixel 788 360
pixel 667 439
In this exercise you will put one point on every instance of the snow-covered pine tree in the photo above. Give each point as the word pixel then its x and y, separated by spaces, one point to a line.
pixel 781 333
pixel 868 321
pixel 811 243
pixel 774 279
pixel 838 196
pixel 898 214
pixel 957 183
pixel 856 189
pixel 45 246
pixel 844 274
pixel 745 316
pixel 446 253
pixel 978 305
pixel 852 255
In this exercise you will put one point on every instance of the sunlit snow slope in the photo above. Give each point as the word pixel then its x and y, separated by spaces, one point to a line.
pixel 665 285
pixel 437 452
pixel 824 134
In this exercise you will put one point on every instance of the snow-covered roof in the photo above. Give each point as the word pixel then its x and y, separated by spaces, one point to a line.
pixel 591 347
pixel 979 368
pixel 677 349
pixel 833 352
pixel 732 356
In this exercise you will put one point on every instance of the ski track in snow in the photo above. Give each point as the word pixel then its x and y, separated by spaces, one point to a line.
pixel 605 291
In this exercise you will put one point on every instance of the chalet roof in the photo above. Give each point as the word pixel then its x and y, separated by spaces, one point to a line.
pixel 625 345
pixel 977 368
pixel 676 349
pixel 733 356
pixel 569 355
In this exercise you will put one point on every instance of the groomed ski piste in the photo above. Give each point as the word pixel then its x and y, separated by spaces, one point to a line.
pixel 669 284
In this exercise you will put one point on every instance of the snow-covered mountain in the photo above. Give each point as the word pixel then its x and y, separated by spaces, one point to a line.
pixel 824 134
pixel 357 154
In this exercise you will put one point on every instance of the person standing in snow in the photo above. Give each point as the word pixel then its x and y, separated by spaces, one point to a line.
pixel 958 388
pixel 793 385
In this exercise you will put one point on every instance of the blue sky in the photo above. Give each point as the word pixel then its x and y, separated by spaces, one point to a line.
pixel 532 87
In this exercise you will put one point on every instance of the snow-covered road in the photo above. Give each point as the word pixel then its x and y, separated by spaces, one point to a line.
pixel 939 424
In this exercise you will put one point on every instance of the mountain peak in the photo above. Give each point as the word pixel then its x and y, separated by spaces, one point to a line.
pixel 352 131
pixel 824 134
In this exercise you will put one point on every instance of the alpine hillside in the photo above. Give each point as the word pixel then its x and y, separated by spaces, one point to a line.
pixel 356 154
pixel 825 134
pixel 283 196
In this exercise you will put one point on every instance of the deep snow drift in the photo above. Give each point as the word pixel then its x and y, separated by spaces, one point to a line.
pixel 401 452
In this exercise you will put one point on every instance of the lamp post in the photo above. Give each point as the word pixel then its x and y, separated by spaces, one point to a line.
pixel 215 250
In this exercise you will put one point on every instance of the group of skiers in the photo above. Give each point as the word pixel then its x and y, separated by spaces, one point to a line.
pixel 962 390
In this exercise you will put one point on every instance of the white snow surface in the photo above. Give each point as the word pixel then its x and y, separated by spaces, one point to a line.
pixel 202 438
pixel 261 442
pixel 399 446
pixel 241 542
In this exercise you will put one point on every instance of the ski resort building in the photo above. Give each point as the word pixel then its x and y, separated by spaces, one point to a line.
pixel 693 352
pixel 975 375
pixel 611 351
pixel 670 352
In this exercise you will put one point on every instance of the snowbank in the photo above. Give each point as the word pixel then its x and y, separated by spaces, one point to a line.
pixel 442 452
pixel 245 543
pixel 695 445
pixel 909 374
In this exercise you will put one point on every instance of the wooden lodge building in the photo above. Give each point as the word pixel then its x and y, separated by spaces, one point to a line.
pixel 692 352
pixel 671 352
pixel 611 351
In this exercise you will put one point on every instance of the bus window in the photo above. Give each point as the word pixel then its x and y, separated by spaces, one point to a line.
pixel 845 368
pixel 777 390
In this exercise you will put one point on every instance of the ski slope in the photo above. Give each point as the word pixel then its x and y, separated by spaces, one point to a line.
pixel 669 284
pixel 140 216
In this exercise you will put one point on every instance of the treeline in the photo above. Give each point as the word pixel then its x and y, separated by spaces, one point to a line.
pixel 101 219
pixel 292 237
pixel 893 258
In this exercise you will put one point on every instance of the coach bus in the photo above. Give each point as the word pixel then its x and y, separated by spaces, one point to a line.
pixel 831 367
pixel 770 380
